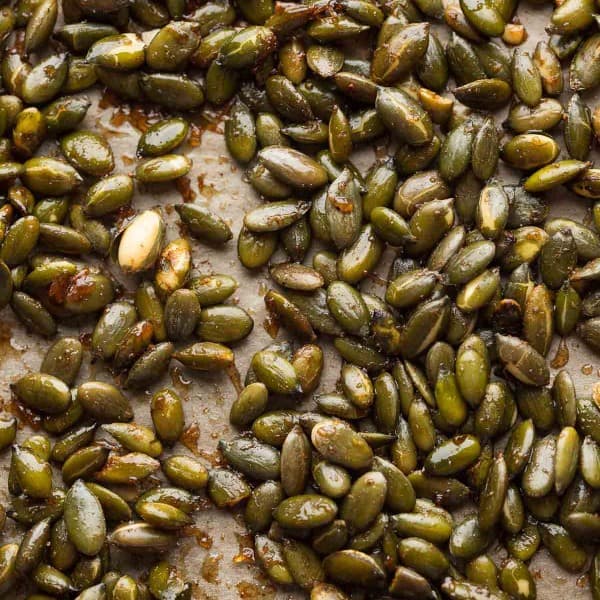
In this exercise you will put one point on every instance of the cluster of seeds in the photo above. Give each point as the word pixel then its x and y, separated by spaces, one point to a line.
pixel 445 398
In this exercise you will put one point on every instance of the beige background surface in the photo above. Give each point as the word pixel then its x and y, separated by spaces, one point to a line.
pixel 218 557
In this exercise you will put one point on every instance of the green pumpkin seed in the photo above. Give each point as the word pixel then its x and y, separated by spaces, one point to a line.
pixel 33 474
pixel 111 328
pixel 61 238
pixel 561 546
pixel 45 80
pixel 275 216
pixel 213 289
pixel 293 59
pixel 135 438
pixel 363 355
pixel 518 447
pixel 468 539
pixel 539 475
pixel 339 27
pixel 63 553
pixel 343 210
pixel 527 81
pixel 486 17
pixel 275 371
pixel 484 152
pixel 404 117
pixel 32 314
pixel 205 356
pixel 400 53
pixel 553 175
pixel 538 323
pixel 127 468
pixel 364 501
pixel 536 403
pixel 455 154
pixel 380 185
pixel 305 511
pixel 289 315
pixel 432 70
pixel 523 361
pixel 171 495
pixel 104 402
pixel 43 392
pixel 163 168
pixel 453 456
pixel 7 284
pixel 108 195
pixel 72 441
pixel 40 24
pixel 174 91
pixel 270 557
pixel 252 457
pixel 589 458
pixel 32 546
pixel 88 152
pixel 308 364
pixel 354 568
pixel 295 462
pixel 64 114
pixel 303 563
pixel 204 224
pixel 185 472
pixel 567 457
pixel 247 47
pixel 493 494
pixel 516 580
pixel 287 100
pixel 240 133
pixel 340 444
pixel 124 83
pixel 172 46
pixel 572 17
pixel 163 137
pixel 449 400
pixel 361 257
pixel 332 480
pixel 268 130
pixel 483 571
pixel 121 52
pixel 250 404
pixel 578 128
pixel 484 93
pixel 348 308
pixel 430 526
pixel 135 341
pixel 261 504
pixel 530 151
pixel 545 116
pixel 84 519
pixel 583 72
pixel 293 168
pixel 423 557
pixel 141 537
pixel 79 37
pixel 20 240
pixel 586 239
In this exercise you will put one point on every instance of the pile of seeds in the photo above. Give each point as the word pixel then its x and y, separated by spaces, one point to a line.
pixel 445 396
